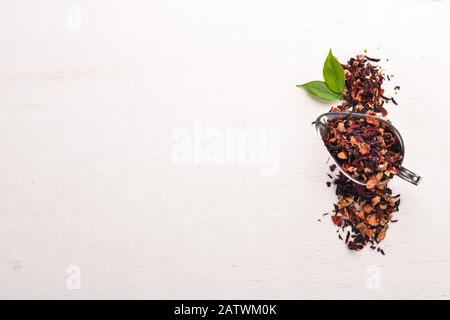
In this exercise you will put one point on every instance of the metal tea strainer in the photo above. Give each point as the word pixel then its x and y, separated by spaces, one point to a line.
pixel 403 173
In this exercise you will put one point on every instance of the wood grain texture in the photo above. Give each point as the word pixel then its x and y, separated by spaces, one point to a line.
pixel 88 109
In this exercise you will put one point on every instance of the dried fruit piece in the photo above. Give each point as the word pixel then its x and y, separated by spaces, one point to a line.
pixel 372 182
pixel 337 220
pixel 381 235
pixel 342 155
pixel 373 121
pixel 364 148
pixel 373 221
pixel 375 201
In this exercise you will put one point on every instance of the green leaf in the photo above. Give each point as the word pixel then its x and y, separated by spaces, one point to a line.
pixel 334 74
pixel 320 89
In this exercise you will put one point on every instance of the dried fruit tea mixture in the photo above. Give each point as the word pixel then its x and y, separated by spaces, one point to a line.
pixel 365 148
pixel 364 212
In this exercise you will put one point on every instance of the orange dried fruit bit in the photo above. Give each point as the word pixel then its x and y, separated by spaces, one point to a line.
pixel 382 186
pixel 373 121
pixel 393 171
pixel 361 214
pixel 372 220
pixel 382 234
pixel 342 155
pixel 373 181
pixel 362 227
pixel 375 201
pixel 347 201
pixel 364 148
pixel 370 233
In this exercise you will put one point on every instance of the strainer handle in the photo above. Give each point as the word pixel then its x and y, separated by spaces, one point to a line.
pixel 409 176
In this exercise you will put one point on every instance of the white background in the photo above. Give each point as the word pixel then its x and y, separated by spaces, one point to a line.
pixel 86 176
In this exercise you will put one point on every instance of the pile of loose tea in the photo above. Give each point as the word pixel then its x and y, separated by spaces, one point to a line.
pixel 367 150
pixel 363 92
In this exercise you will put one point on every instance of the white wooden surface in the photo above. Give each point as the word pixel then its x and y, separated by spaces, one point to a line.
pixel 89 105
